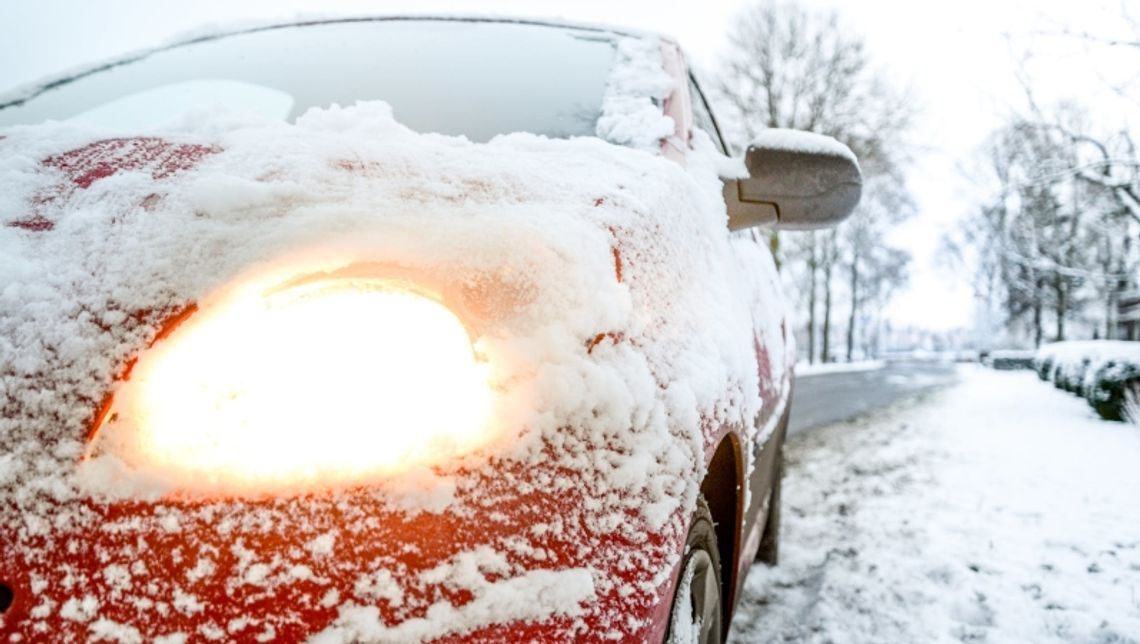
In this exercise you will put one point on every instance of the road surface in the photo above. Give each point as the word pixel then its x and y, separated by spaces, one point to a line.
pixel 825 398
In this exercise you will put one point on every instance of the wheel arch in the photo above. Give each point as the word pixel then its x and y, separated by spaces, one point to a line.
pixel 722 490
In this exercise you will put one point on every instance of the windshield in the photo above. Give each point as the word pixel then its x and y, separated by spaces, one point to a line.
pixel 477 79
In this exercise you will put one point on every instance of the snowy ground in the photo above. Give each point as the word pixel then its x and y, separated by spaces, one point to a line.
pixel 805 369
pixel 1000 510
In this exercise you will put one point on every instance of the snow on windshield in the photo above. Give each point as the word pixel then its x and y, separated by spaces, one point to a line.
pixel 467 79
pixel 637 87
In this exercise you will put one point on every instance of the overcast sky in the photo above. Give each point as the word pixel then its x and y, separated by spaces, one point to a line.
pixel 958 57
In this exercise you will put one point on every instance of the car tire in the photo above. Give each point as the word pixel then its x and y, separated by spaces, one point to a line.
pixel 697 614
pixel 769 550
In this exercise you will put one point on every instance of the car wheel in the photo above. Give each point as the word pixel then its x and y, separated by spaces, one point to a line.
pixel 769 550
pixel 697 614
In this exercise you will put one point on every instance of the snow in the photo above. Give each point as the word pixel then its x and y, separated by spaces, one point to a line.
pixel 804 369
pixel 1000 510
pixel 106 630
pixel 685 627
pixel 537 594
pixel 1085 356
pixel 602 291
pixel 1088 366
pixel 1010 359
pixel 807 142
pixel 322 545
pixel 1093 349
pixel 1014 354
pixel 637 87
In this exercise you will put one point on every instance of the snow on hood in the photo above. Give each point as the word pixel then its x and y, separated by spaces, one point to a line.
pixel 537 219
pixel 338 188
pixel 612 314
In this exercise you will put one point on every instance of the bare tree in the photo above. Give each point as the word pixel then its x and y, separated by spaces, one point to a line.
pixel 791 67
pixel 1123 43
pixel 875 270
pixel 1069 217
pixel 830 257
pixel 1058 237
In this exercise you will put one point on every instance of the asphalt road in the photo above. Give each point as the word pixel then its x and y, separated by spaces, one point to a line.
pixel 825 398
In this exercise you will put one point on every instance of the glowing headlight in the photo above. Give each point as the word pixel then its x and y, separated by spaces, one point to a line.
pixel 332 381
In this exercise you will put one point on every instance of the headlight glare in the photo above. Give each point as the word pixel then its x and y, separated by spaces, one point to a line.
pixel 322 382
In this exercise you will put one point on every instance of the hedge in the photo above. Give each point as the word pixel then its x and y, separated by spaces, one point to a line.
pixel 1105 372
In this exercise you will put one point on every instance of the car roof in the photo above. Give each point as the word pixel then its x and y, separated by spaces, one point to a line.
pixel 22 94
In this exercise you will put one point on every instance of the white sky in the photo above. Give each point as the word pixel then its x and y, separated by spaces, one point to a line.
pixel 958 57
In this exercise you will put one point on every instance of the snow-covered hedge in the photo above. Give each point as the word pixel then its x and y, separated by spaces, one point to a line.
pixel 1106 373
pixel 1009 360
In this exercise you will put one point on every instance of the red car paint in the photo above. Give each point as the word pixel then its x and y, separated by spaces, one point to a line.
pixel 82 167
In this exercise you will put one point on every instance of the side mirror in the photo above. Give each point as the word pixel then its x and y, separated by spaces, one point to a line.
pixel 796 181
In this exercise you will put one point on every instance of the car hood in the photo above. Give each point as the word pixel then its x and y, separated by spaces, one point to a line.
pixel 596 278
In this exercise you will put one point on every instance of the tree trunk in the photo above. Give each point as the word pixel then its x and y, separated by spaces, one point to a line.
pixel 1109 311
pixel 1110 289
pixel 1061 307
pixel 1038 332
pixel 826 354
pixel 813 267
pixel 854 305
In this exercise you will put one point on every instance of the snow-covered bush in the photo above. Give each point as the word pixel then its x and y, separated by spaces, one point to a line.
pixel 1070 375
pixel 1106 373
pixel 1107 387
pixel 1009 360
pixel 1132 402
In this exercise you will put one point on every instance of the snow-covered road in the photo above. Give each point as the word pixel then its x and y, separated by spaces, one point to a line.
pixel 1000 510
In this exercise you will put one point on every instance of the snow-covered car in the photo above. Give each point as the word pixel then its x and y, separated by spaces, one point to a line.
pixel 493 352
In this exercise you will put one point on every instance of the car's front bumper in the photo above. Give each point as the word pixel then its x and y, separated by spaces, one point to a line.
pixel 528 553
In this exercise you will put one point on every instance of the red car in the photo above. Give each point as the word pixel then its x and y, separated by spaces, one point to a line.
pixel 392 330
